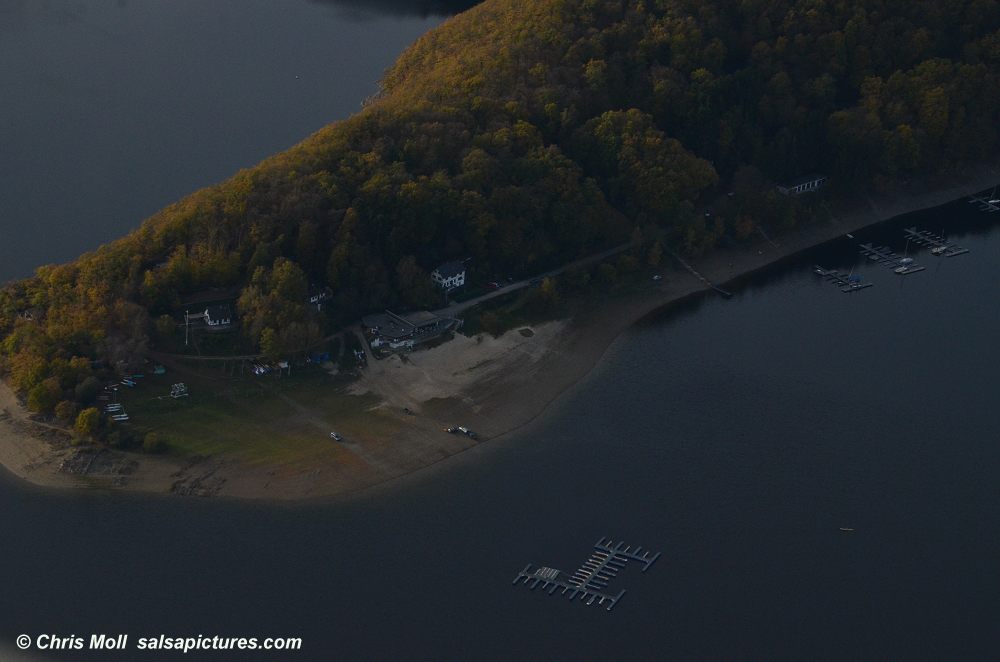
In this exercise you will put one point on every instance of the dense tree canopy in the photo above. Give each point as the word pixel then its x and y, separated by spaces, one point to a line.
pixel 524 134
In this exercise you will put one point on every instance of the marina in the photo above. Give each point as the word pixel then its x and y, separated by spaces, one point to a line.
pixel 937 243
pixel 846 282
pixel 885 256
pixel 590 580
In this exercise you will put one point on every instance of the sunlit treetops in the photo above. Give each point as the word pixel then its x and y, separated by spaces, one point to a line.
pixel 523 135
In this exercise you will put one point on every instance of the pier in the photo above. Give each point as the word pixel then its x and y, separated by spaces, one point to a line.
pixel 937 243
pixel 846 282
pixel 986 204
pixel 590 581
pixel 694 272
pixel 887 258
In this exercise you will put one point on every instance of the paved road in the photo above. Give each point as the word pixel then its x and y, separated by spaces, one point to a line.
pixel 457 308
pixel 449 311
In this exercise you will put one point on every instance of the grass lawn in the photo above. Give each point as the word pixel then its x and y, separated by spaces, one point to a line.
pixel 264 420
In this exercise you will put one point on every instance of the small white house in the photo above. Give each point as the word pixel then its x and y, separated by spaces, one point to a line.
pixel 449 275
pixel 318 295
pixel 806 184
pixel 218 316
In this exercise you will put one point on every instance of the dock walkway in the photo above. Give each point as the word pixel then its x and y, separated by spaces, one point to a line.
pixel 937 243
pixel 846 282
pixel 887 258
pixel 986 204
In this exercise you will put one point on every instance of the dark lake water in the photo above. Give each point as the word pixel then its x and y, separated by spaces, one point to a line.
pixel 734 436
pixel 111 110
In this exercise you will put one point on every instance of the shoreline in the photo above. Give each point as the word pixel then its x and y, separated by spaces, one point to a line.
pixel 498 387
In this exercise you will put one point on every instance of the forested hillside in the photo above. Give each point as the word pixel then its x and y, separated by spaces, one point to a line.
pixel 525 134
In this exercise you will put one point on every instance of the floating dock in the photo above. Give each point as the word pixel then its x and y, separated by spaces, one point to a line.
pixel 590 581
pixel 986 204
pixel 846 282
pixel 937 243
pixel 887 258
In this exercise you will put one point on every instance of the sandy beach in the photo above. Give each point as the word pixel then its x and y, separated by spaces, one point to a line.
pixel 495 386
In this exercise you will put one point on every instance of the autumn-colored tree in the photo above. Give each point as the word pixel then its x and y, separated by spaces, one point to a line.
pixel 524 135
pixel 66 410
pixel 43 397
pixel 88 422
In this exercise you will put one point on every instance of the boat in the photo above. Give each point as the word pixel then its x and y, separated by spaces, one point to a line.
pixel 905 262
pixel 846 529
pixel 336 437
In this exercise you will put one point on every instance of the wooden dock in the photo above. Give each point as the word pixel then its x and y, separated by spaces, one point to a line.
pixel 887 258
pixel 590 581
pixel 937 243
pixel 846 282
pixel 986 204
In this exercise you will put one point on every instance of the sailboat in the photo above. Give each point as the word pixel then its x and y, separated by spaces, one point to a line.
pixel 939 250
pixel 905 261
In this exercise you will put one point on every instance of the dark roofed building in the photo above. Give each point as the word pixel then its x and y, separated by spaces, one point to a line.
pixel 388 326
pixel 805 184
pixel 317 295
pixel 218 316
pixel 405 331
pixel 449 275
